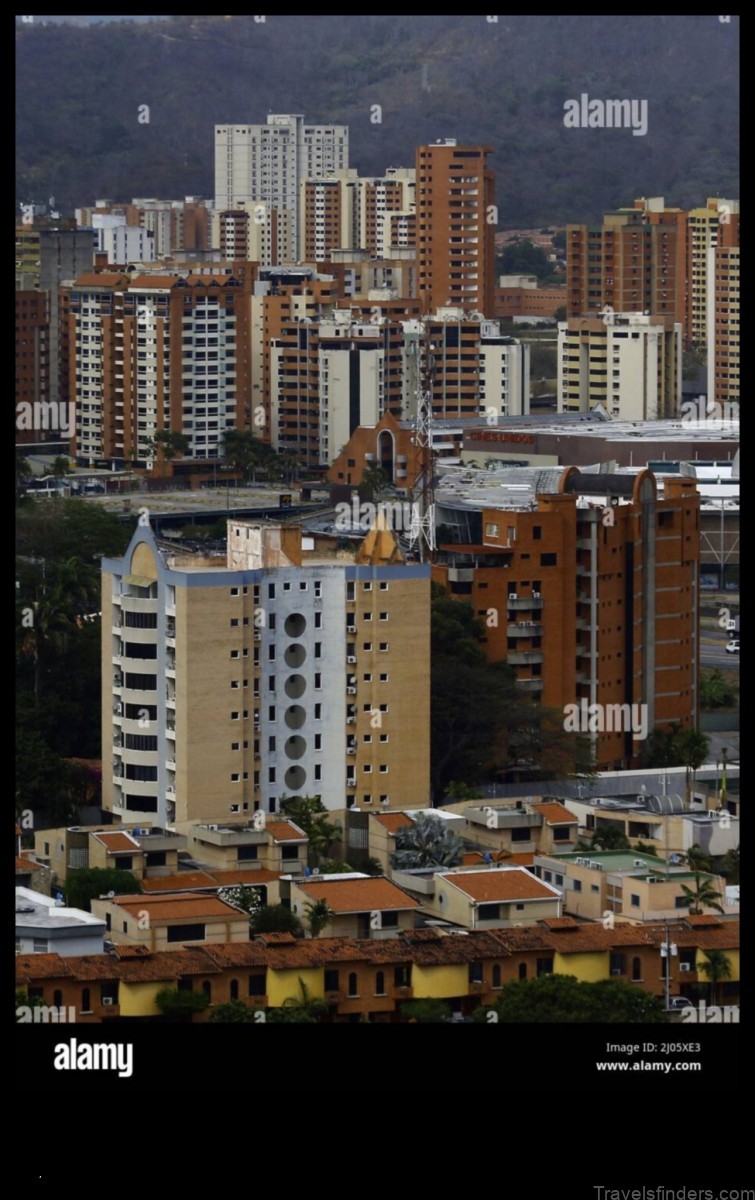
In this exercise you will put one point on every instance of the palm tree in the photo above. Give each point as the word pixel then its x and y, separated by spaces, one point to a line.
pixel 427 842
pixel 304 1009
pixel 168 444
pixel 374 480
pixel 318 913
pixel 703 895
pixel 717 968
pixel 693 749
pixel 730 866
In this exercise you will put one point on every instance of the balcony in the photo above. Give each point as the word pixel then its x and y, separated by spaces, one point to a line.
pixel 519 658
pixel 525 629
pixel 530 685
pixel 524 603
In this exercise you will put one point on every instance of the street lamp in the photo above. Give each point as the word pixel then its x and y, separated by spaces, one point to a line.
pixel 669 950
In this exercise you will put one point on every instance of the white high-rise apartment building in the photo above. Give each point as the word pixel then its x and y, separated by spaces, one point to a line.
pixel 268 162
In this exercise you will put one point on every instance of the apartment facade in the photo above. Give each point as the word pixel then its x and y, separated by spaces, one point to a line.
pixel 33 364
pixel 268 163
pixel 456 225
pixel 588 586
pixel 628 362
pixel 287 670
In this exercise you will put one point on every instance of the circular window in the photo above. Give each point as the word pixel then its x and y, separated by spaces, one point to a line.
pixel 296 747
pixel 295 716
pixel 295 625
pixel 295 777
pixel 295 686
pixel 295 655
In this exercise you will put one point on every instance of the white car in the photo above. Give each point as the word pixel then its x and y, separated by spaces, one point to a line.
pixel 732 647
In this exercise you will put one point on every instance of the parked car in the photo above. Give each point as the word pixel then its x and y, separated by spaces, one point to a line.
pixel 732 647
pixel 677 1002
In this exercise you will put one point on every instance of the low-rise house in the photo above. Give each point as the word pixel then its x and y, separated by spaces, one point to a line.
pixel 31 874
pixel 492 899
pixel 663 822
pixel 523 826
pixel 360 906
pixel 44 925
pixel 369 980
pixel 621 884
pixel 158 921
pixel 146 851
pixel 273 844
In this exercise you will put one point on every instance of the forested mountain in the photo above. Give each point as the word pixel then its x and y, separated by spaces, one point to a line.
pixel 503 83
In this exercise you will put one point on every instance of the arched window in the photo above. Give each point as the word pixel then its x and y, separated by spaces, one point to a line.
pixel 637 968
pixel 496 975
pixel 522 970
pixel 57 998
pixel 207 989
pixel 353 983
pixel 234 990
pixel 380 983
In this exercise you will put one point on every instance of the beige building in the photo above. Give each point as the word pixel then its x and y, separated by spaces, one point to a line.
pixel 265 845
pixel 517 827
pixel 483 899
pixel 292 668
pixel 147 852
pixel 360 906
pixel 622 884
pixel 172 920
pixel 630 363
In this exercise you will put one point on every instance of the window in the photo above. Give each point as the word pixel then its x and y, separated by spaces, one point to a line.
pixel 548 560
pixel 256 985
pixel 353 983
pixel 383 646
pixel 577 885
pixel 637 968
pixel 380 983
pixel 271 591
pixel 331 981
pixel 367 645
pixel 233 989
pixel 185 933
pixel 402 976
pixel 522 970
pixel 383 587
pixel 537 533
pixel 545 966
pixel 384 616
pixel 617 963
pixel 39 945
pixel 234 591
pixel 234 622
pixel 475 972
pixel 496 975
pixel 207 989
pixel 86 1000
pixel 247 853
pixel 634 900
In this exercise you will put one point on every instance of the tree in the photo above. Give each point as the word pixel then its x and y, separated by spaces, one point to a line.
pixel 427 842
pixel 697 859
pixel 703 895
pixel 730 866
pixel 563 998
pixel 168 444
pixel 335 866
pixel 425 1012
pixel 275 918
pixel 560 313
pixel 716 691
pixel 85 884
pixel 311 815
pixel 304 1009
pixel 318 914
pixel 456 792
pixel 242 896
pixel 693 747
pixel 374 481
pixel 232 1013
pixel 717 968
pixel 523 257
pixel 608 837
pixel 23 472
pixel 178 1004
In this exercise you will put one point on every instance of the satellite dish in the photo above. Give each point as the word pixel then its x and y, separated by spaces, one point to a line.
pixel 316 871
pixel 111 895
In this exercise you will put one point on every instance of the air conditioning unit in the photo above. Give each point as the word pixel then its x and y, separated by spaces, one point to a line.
pixel 512 595
pixel 351 659
pixel 535 595
pixel 258 635
pixel 639 862
pixel 351 691
pixel 108 1000
pixel 616 971
pixel 685 967
pixel 350 720
pixel 351 628
pixel 256 727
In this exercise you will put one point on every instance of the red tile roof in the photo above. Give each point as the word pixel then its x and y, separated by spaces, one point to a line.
pixel 554 813
pixel 503 884
pixel 118 843
pixel 183 880
pixel 393 821
pixel 359 895
pixel 246 876
pixel 176 906
pixel 285 831
pixel 25 864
